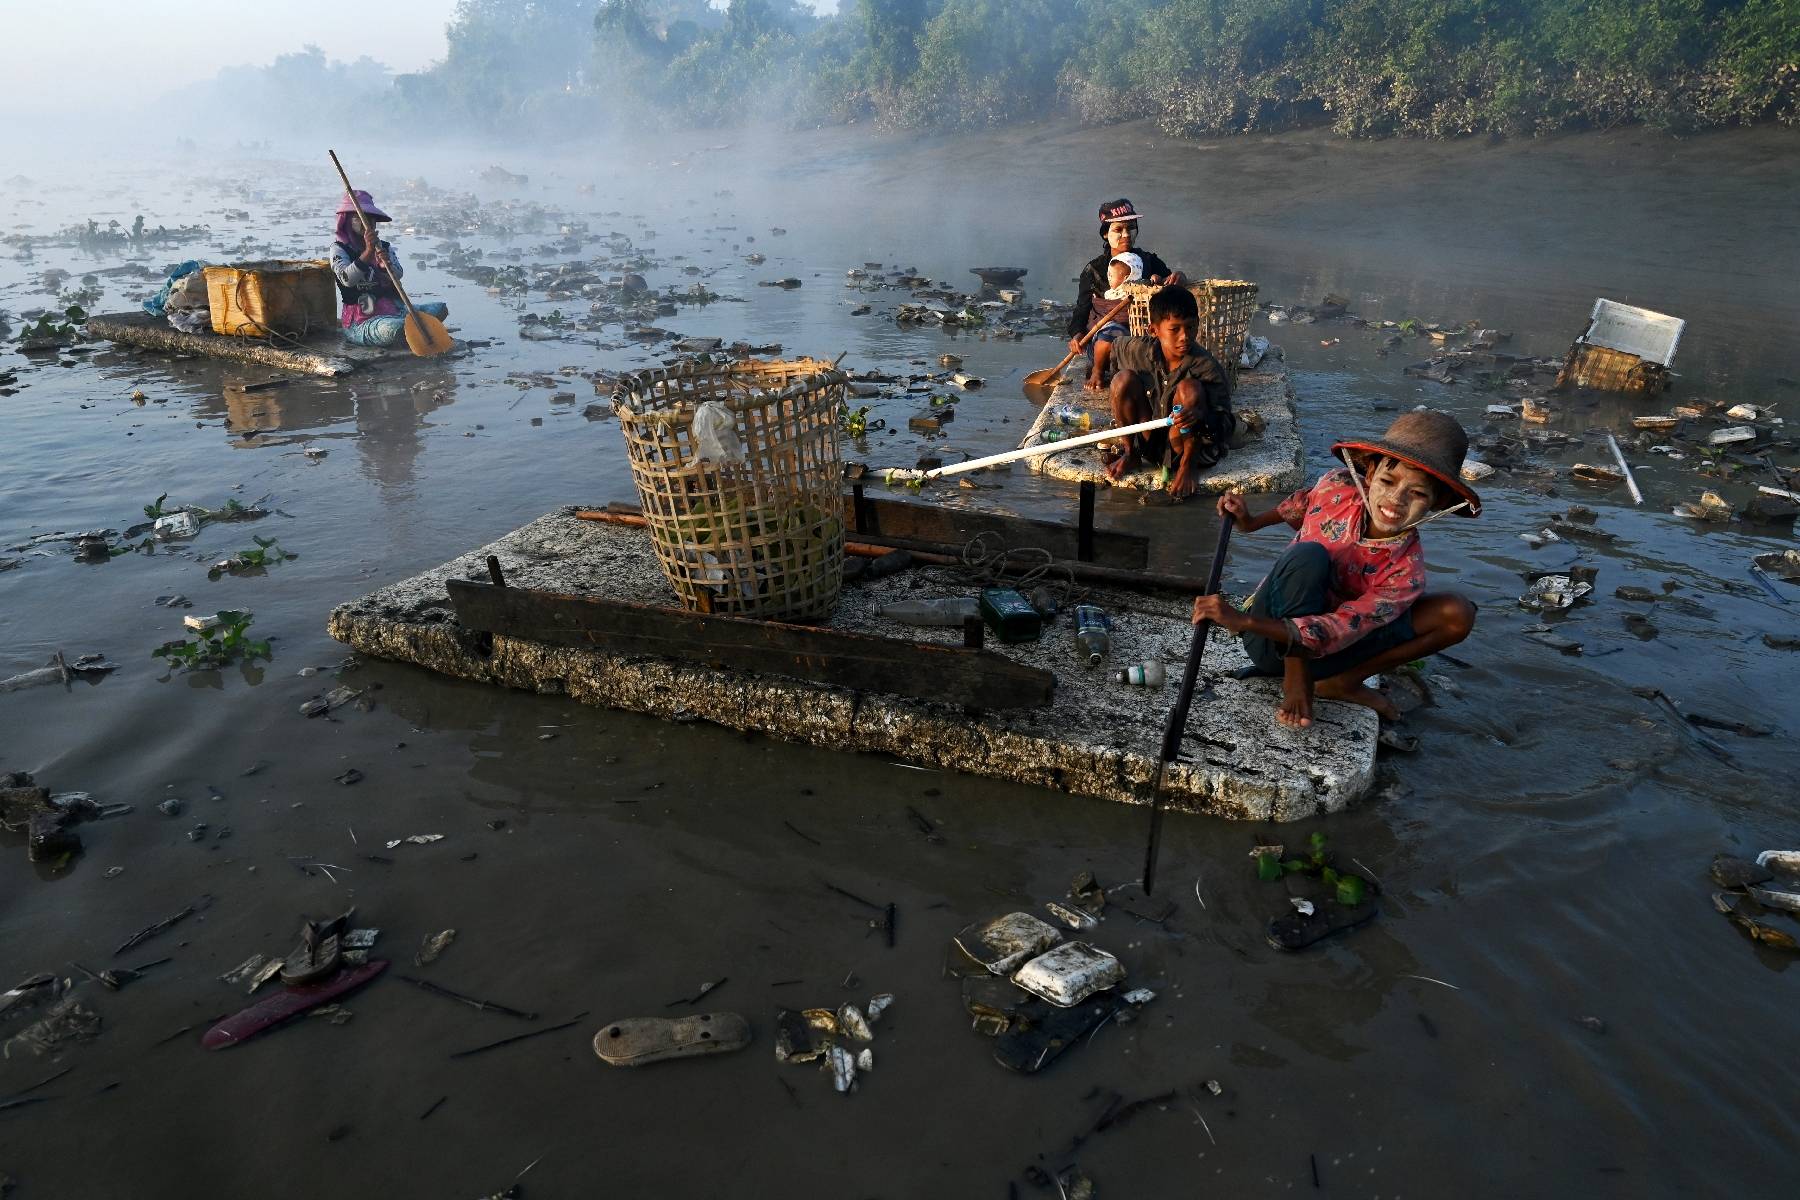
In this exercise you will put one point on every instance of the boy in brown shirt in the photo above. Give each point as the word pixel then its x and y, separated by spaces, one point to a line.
pixel 1170 372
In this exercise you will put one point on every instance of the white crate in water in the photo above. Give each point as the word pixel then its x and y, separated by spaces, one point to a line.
pixel 1651 336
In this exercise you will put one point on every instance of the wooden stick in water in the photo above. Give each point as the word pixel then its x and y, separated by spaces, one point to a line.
pixel 1177 722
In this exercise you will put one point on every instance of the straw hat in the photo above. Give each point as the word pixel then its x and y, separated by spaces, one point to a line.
pixel 1427 439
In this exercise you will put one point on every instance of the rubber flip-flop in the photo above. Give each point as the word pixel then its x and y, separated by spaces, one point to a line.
pixel 1297 930
pixel 1041 1031
pixel 311 963
pixel 288 1003
pixel 636 1041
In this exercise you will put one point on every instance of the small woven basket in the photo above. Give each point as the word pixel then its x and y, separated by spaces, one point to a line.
pixel 763 537
pixel 1604 369
pixel 1226 307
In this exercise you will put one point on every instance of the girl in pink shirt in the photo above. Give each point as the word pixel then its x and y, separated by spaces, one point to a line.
pixel 1347 599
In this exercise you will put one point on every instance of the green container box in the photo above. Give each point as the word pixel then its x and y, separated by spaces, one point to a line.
pixel 1010 615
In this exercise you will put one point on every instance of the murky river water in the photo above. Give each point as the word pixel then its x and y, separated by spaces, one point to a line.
pixel 1544 855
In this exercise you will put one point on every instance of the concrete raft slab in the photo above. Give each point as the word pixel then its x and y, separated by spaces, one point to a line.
pixel 1269 463
pixel 1098 738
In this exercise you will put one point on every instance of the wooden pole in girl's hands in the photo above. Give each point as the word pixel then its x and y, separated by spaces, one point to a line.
pixel 1177 722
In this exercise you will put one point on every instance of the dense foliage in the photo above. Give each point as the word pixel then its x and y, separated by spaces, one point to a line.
pixel 1366 68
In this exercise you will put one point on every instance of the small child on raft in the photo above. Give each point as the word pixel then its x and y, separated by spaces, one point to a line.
pixel 1347 599
pixel 1120 270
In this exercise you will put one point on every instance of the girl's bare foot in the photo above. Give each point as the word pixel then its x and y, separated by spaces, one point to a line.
pixel 1296 694
pixel 1355 691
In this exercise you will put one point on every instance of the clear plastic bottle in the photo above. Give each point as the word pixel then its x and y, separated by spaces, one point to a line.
pixel 948 610
pixel 1144 674
pixel 1093 637
pixel 1072 416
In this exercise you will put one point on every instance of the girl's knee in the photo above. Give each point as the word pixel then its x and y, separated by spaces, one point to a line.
pixel 1449 615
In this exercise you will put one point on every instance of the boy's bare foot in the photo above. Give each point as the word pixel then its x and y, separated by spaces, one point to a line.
pixel 1094 384
pixel 1184 483
pixel 1355 691
pixel 1296 694
pixel 1122 466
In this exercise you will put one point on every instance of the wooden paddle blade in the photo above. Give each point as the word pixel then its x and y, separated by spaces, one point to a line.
pixel 426 335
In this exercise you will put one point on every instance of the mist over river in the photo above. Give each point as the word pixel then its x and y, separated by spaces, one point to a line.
pixel 1548 1005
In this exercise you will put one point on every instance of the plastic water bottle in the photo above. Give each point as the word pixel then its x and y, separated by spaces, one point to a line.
pixel 1092 633
pixel 1073 416
pixel 947 611
pixel 1144 674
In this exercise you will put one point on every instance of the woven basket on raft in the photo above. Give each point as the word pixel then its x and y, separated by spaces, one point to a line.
pixel 1226 306
pixel 759 538
pixel 1607 370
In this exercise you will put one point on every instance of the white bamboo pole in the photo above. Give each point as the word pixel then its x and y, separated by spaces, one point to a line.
pixel 907 475
pixel 1637 497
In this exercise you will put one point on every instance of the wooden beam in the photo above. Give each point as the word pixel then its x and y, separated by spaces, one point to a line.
pixel 864 662
pixel 873 545
pixel 869 517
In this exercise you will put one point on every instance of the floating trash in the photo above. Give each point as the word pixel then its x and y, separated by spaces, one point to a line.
pixel 1554 593
pixel 1657 424
pixel 1070 974
pixel 1474 470
pixel 1710 507
pixel 1783 564
pixel 1004 944
pixel 1734 435
pixel 1599 476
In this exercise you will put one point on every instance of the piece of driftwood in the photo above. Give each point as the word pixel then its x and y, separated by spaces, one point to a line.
pixel 865 662
pixel 322 355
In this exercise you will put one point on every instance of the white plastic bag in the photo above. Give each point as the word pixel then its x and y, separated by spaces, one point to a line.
pixel 715 434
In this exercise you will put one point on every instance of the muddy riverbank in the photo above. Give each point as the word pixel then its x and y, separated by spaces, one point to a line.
pixel 1543 857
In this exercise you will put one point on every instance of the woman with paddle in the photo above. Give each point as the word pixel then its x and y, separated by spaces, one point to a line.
pixel 367 272
pixel 1118 232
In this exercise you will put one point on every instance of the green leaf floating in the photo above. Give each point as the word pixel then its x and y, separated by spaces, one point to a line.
pixel 1350 890
pixel 1268 868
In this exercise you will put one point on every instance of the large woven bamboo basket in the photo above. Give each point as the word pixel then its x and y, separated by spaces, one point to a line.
pixel 763 537
pixel 1226 307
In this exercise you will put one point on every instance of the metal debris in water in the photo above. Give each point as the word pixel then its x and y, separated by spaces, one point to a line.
pixel 433 946
pixel 1554 593
pixel 853 1024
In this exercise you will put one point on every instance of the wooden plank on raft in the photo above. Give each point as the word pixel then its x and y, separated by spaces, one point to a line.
pixel 865 662
pixel 949 554
pixel 869 517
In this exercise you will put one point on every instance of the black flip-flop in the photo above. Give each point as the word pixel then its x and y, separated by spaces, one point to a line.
pixel 1297 930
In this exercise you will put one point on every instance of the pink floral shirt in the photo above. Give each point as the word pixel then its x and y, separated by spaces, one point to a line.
pixel 1372 581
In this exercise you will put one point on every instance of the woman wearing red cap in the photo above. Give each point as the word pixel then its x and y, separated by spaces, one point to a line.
pixel 366 268
pixel 1118 232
